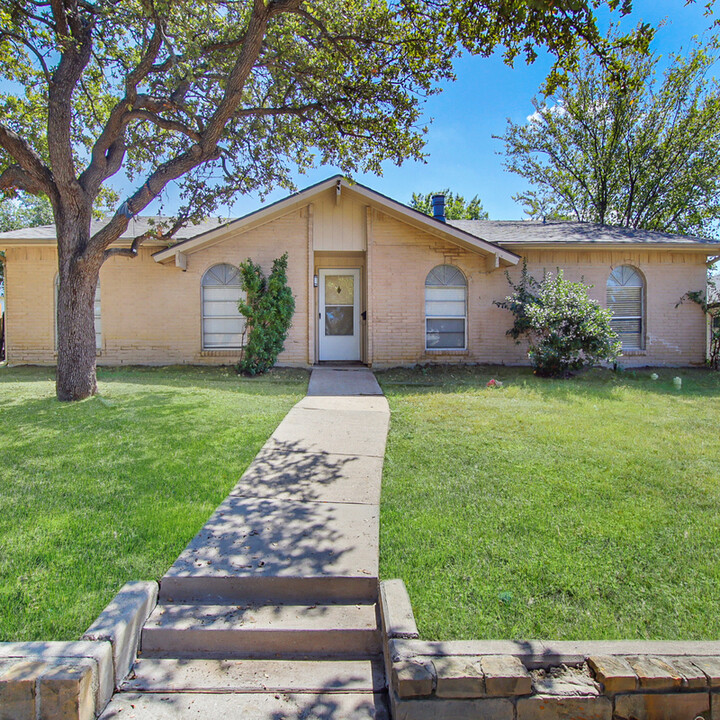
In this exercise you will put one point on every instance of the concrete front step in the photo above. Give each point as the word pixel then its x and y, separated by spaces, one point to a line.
pixel 233 589
pixel 261 631
pixel 278 676
pixel 251 706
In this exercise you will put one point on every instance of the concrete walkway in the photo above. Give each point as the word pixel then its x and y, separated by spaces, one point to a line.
pixel 308 504
pixel 278 590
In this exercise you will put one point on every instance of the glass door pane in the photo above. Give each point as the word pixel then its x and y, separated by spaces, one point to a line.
pixel 339 305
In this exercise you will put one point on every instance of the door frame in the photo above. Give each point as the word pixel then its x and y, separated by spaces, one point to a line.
pixel 323 351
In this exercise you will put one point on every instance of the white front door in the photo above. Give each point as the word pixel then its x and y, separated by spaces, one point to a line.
pixel 339 314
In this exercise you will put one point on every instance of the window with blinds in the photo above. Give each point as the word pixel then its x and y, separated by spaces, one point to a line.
pixel 625 297
pixel 96 312
pixel 222 323
pixel 445 309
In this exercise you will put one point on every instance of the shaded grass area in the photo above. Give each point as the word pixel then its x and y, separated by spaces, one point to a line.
pixel 586 508
pixel 111 489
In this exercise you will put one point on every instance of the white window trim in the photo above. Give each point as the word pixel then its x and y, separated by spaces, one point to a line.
pixel 215 348
pixel 641 317
pixel 437 349
pixel 464 318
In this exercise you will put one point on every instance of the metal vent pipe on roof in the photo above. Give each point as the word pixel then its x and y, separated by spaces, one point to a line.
pixel 438 206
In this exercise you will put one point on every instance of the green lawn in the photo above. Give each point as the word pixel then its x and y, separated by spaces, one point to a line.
pixel 585 508
pixel 96 493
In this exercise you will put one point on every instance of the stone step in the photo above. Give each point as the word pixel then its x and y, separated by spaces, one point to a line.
pixel 248 676
pixel 227 590
pixel 261 631
pixel 251 706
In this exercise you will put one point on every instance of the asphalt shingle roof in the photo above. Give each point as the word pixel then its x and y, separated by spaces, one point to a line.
pixel 495 231
pixel 535 231
pixel 137 226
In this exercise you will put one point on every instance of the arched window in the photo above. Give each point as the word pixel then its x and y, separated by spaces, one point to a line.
pixel 98 318
pixel 445 309
pixel 625 297
pixel 222 323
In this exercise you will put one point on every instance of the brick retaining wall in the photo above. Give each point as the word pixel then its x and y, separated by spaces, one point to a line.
pixel 533 680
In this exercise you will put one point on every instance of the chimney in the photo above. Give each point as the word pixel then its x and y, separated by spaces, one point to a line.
pixel 438 206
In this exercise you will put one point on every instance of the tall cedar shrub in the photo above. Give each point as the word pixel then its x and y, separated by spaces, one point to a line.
pixel 567 330
pixel 268 308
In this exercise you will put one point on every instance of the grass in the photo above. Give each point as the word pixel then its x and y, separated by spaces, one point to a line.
pixel 111 489
pixel 586 508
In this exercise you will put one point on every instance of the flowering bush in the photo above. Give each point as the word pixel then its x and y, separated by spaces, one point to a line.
pixel 566 329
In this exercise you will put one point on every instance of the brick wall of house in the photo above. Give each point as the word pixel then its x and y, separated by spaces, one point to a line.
pixel 151 313
pixel 402 257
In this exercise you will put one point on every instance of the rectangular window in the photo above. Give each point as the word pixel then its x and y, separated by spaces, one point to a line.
pixel 98 320
pixel 445 310
pixel 223 325
pixel 447 333
pixel 626 305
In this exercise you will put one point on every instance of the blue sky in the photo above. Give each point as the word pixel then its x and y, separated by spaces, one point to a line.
pixel 461 152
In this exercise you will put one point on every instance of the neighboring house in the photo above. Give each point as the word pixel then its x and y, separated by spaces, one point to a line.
pixel 374 281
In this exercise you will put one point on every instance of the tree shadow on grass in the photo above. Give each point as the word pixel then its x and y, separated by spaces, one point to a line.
pixel 279 381
pixel 99 492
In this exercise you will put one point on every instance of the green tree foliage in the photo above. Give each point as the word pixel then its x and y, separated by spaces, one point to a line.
pixel 24 211
pixel 456 207
pixel 633 149
pixel 268 308
pixel 566 329
pixel 218 97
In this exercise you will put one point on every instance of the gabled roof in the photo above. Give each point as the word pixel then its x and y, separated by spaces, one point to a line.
pixel 457 236
pixel 488 237
pixel 535 233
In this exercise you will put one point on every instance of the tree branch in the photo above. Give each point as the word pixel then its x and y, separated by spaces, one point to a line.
pixel 5 34
pixel 207 148
pixel 15 178
pixel 164 123
pixel 99 168
pixel 282 110
pixel 37 173
pixel 132 251
pixel 73 60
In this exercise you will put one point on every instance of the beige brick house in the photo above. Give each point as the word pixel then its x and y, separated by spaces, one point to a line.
pixel 374 281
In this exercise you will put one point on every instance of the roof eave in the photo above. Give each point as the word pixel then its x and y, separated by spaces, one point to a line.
pixel 257 217
pixel 707 248
pixel 52 242
pixel 304 197
pixel 415 218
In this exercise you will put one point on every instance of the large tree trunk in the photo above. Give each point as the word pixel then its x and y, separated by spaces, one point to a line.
pixel 78 274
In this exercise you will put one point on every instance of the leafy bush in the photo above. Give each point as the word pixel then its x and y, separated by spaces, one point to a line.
pixel 268 308
pixel 566 329
pixel 709 301
pixel 523 296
